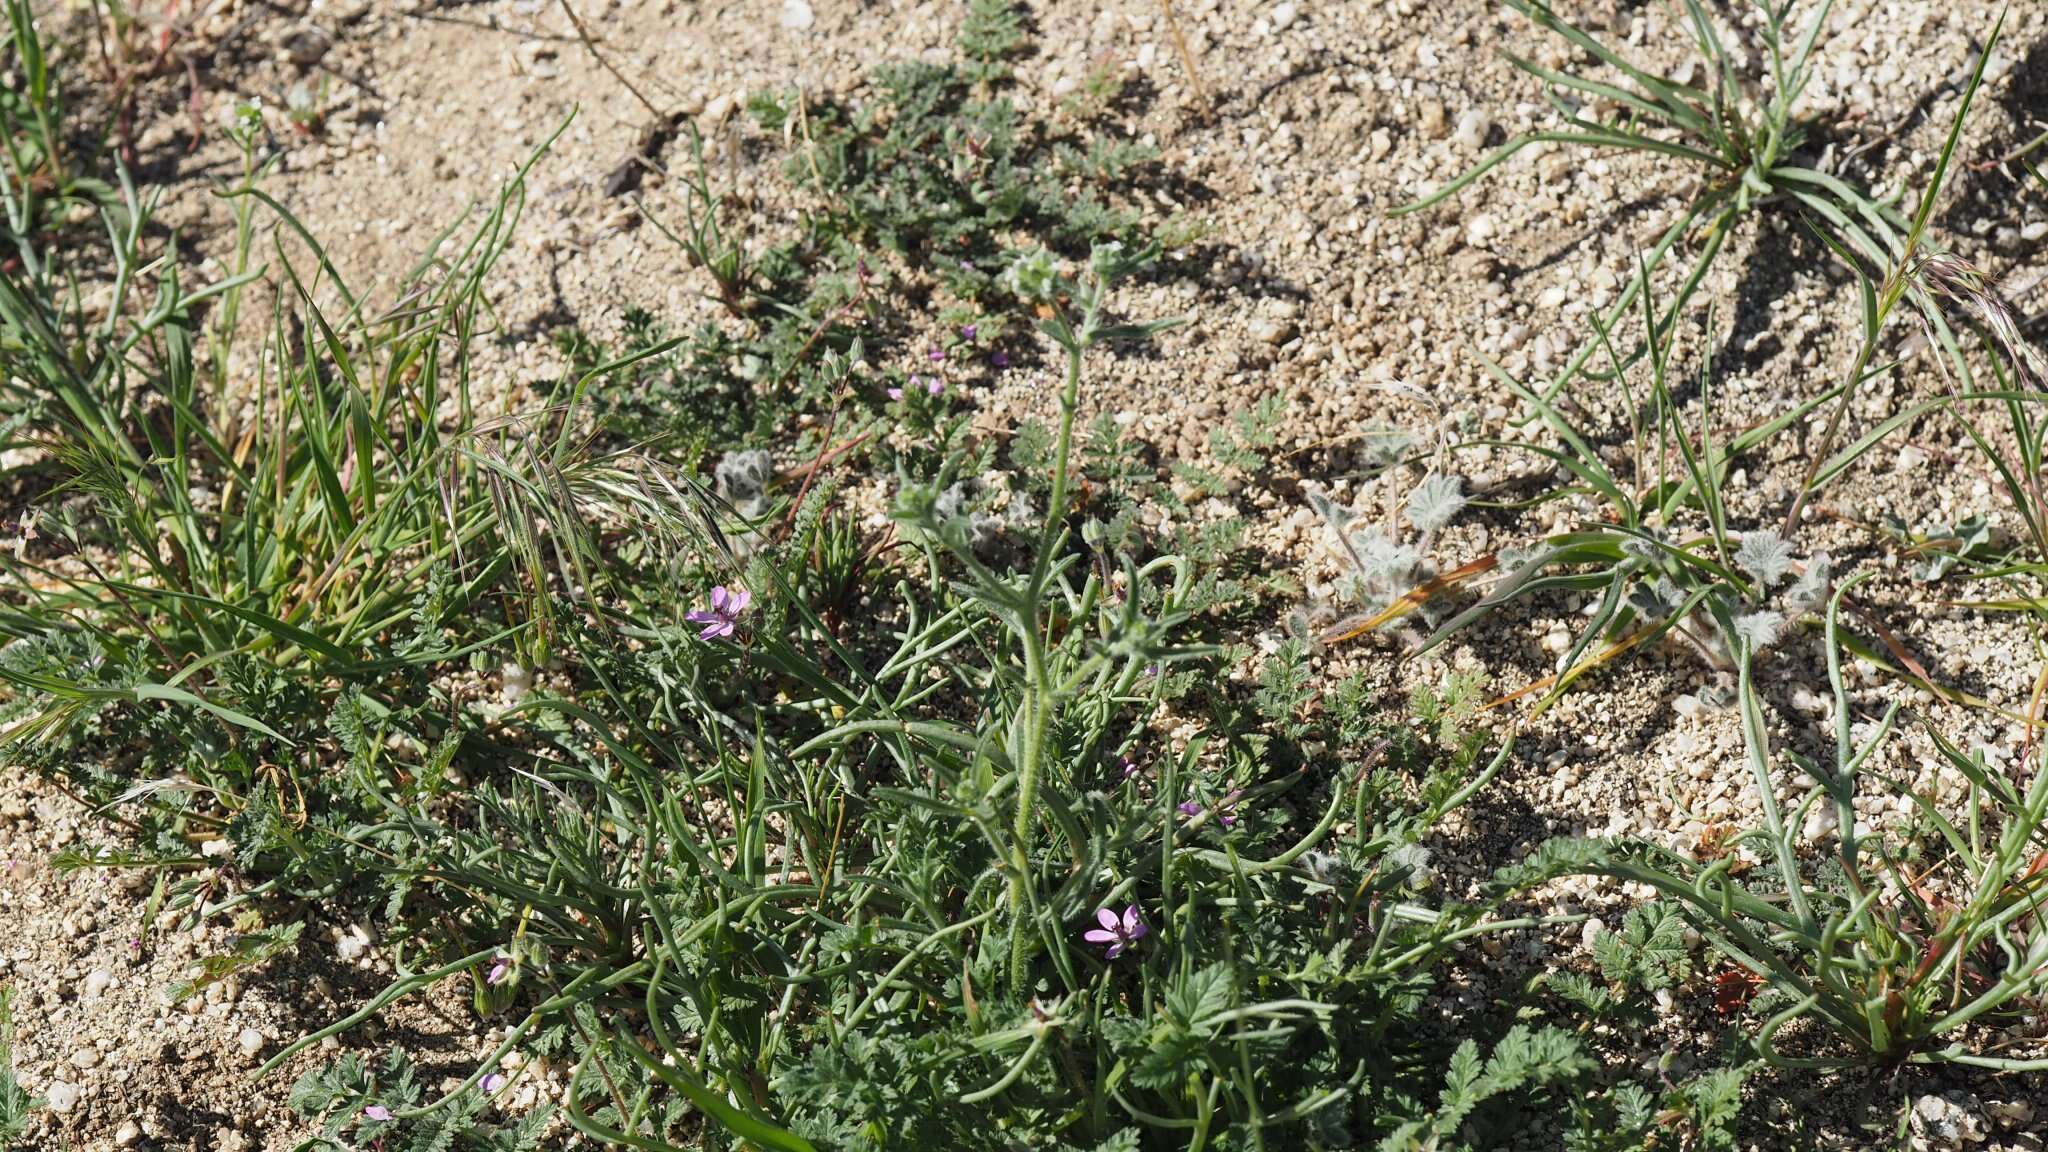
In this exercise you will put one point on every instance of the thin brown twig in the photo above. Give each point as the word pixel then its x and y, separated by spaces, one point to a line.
pixel 590 44
pixel 1187 58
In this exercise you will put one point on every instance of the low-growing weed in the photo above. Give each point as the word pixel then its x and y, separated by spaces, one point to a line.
pixel 803 892
pixel 1890 963
pixel 942 168
pixel 15 1102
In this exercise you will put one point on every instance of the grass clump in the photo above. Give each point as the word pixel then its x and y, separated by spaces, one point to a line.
pixel 1886 950
pixel 1745 148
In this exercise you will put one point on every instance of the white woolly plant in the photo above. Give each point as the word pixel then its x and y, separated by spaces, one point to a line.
pixel 1383 563
pixel 1721 626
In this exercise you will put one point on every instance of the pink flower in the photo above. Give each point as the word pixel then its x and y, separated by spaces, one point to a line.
pixel 724 615
pixel 1117 932
pixel 492 1083
pixel 377 1112
pixel 895 393
pixel 501 967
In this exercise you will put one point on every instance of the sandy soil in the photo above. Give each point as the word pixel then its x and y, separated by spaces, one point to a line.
pixel 1308 122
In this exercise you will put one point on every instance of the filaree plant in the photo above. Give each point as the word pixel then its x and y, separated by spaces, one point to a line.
pixel 818 719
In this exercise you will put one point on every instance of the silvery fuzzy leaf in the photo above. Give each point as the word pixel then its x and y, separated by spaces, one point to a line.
pixel 1383 559
pixel 1759 629
pixel 1647 603
pixel 1809 593
pixel 1764 556
pixel 1436 502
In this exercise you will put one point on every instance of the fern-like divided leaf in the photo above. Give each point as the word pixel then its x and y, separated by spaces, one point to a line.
pixel 1648 950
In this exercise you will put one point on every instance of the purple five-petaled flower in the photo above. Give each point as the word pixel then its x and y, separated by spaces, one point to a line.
pixel 724 614
pixel 377 1112
pixel 1225 810
pixel 501 967
pixel 936 354
pixel 492 1083
pixel 967 332
pixel 1119 932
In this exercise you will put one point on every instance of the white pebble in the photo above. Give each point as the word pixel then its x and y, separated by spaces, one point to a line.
pixel 1821 822
pixel 797 14
pixel 518 681
pixel 1471 131
pixel 61 1096
pixel 251 1041
pixel 96 983
pixel 352 944
pixel 1283 15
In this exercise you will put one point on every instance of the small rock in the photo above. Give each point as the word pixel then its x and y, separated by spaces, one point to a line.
pixel 1430 118
pixel 250 1041
pixel 1821 822
pixel 1274 330
pixel 85 1058
pixel 1471 133
pixel 517 682
pixel 537 59
pixel 1947 1121
pixel 127 1134
pixel 1284 15
pixel 350 945
pixel 797 15
pixel 2010 1112
pixel 61 1096
pixel 304 43
pixel 96 983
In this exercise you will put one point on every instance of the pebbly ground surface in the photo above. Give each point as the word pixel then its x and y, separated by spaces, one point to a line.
pixel 1303 124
